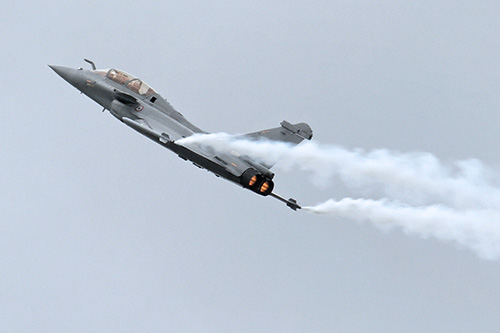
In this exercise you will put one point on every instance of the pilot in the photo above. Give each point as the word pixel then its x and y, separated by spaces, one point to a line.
pixel 135 85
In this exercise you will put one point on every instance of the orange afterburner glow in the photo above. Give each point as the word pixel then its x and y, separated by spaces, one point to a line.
pixel 252 181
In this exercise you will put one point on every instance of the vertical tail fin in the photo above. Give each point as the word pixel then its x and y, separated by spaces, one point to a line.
pixel 293 133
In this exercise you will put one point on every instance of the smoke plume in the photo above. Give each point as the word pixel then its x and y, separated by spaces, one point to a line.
pixel 457 202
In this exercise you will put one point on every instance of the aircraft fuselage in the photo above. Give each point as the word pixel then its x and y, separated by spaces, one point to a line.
pixel 136 104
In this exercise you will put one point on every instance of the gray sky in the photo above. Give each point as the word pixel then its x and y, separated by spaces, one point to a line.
pixel 102 230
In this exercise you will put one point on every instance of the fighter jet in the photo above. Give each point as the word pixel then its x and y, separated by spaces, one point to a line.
pixel 138 105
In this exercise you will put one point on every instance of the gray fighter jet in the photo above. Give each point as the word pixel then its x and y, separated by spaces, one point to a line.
pixel 136 104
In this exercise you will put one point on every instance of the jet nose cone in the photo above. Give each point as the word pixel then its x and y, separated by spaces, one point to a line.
pixel 55 68
pixel 66 73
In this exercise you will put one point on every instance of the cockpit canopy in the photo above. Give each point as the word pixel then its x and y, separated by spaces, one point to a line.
pixel 127 80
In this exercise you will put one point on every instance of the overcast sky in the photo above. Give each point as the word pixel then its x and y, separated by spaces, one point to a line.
pixel 102 230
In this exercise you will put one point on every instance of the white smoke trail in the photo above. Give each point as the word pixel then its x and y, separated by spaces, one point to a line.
pixel 478 230
pixel 458 202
